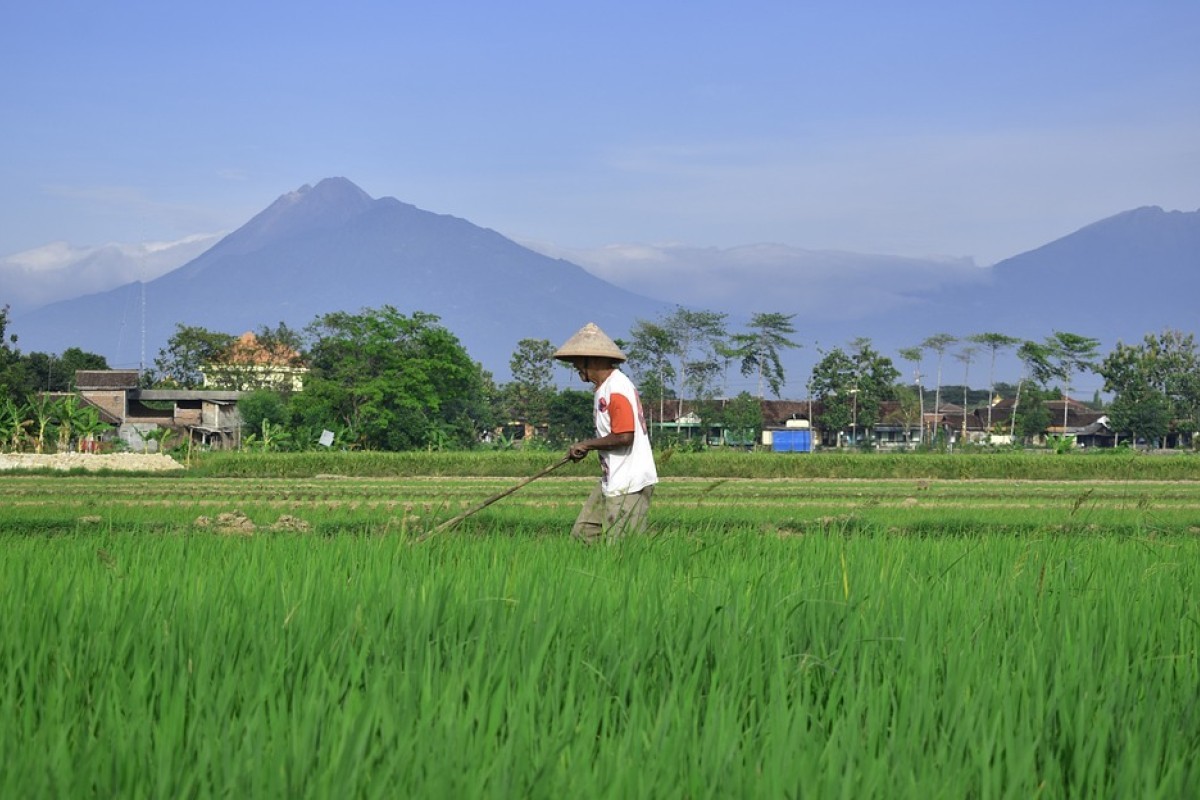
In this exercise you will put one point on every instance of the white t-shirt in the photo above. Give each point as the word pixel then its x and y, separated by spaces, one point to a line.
pixel 624 469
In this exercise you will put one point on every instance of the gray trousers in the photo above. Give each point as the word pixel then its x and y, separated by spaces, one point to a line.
pixel 608 519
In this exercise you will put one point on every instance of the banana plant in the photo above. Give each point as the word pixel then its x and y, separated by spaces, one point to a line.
pixel 14 420
pixel 159 437
pixel 274 436
pixel 68 413
pixel 42 410
pixel 88 424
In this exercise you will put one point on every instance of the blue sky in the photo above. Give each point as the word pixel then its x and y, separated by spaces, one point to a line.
pixel 978 129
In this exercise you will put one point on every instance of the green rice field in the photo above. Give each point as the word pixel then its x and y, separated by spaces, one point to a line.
pixel 217 634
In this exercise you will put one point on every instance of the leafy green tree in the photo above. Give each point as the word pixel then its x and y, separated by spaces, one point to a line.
pixel 1142 412
pixel 396 382
pixel 875 380
pixel 190 348
pixel 1159 376
pixel 14 380
pixel 704 378
pixel 527 397
pixel 1032 419
pixel 995 343
pixel 742 418
pixel 650 360
pixel 263 406
pixel 758 349
pixel 50 373
pixel 852 387
pixel 570 416
pixel 270 437
pixel 833 384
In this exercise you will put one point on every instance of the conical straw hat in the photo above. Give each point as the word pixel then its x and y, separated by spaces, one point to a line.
pixel 590 341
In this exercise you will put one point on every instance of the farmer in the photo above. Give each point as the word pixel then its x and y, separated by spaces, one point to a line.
pixel 619 503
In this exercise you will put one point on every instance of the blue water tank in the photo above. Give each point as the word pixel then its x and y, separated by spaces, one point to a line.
pixel 791 441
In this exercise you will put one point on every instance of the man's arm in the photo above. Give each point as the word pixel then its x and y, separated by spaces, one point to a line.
pixel 613 441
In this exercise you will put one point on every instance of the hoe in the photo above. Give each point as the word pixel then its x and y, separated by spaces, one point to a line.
pixel 450 523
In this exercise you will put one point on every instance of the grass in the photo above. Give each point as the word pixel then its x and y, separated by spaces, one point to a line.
pixel 1093 465
pixel 775 638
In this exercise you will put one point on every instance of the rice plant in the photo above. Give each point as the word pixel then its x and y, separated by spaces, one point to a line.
pixel 765 638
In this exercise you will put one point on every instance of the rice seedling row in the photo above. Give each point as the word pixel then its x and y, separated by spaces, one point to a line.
pixel 779 638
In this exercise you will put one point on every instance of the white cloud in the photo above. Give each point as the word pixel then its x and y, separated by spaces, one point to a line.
pixel 60 271
pixel 822 284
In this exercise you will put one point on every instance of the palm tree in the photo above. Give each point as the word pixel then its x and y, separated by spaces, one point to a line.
pixel 1034 364
pixel 759 349
pixel 995 342
pixel 1070 353
pixel 914 355
pixel 652 345
pixel 966 356
pixel 697 337
pixel 938 343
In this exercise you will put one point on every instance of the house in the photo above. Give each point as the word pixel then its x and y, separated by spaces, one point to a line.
pixel 1087 426
pixel 251 364
pixel 208 417
pixel 957 425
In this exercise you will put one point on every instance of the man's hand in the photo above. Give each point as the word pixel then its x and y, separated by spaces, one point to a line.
pixel 577 451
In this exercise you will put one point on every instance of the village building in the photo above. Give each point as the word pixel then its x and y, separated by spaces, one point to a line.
pixel 251 364
pixel 208 417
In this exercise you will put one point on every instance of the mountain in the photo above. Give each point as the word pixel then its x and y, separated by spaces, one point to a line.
pixel 1118 279
pixel 331 247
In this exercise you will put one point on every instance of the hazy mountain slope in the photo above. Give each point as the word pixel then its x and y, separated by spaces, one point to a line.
pixel 817 285
pixel 1134 273
pixel 330 248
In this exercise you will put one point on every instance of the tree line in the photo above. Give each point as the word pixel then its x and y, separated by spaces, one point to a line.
pixel 388 381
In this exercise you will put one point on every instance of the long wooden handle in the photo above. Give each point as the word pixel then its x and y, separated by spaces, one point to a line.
pixel 450 523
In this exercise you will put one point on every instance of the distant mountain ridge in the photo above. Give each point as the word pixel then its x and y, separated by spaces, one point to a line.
pixel 332 247
pixel 1118 279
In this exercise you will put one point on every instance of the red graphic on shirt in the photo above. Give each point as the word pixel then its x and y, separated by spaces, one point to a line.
pixel 603 405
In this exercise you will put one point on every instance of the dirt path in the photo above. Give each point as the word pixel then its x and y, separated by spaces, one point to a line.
pixel 137 462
